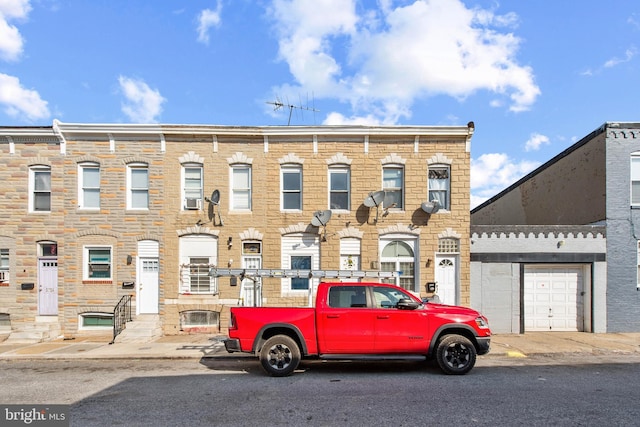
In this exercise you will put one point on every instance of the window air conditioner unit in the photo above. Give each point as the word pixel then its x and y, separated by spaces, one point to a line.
pixel 192 203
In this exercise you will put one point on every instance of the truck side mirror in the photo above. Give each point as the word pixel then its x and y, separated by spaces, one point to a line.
pixel 407 304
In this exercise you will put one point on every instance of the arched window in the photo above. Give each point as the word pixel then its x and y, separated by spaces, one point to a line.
pixel 399 255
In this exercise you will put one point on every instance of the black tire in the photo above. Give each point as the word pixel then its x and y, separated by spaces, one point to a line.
pixel 455 354
pixel 280 356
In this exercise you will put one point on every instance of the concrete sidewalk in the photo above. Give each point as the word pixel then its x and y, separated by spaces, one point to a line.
pixel 207 346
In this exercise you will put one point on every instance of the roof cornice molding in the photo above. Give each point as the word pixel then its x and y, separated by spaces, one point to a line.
pixel 173 129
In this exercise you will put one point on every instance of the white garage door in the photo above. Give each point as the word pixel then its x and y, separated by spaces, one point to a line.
pixel 553 298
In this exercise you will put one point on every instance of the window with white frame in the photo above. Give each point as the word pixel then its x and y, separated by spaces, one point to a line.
pixel 241 187
pixel 291 182
pixel 4 265
pixel 89 185
pixel 635 179
pixel 138 186
pixel 198 253
pixel 339 188
pixel 350 257
pixel 192 186
pixel 393 186
pixel 440 185
pixel 40 189
pixel 399 255
pixel 98 260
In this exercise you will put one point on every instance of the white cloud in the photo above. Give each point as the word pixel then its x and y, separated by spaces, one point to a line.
pixel 208 18
pixel 11 43
pixel 142 104
pixel 19 101
pixel 535 141
pixel 493 172
pixel 628 56
pixel 384 60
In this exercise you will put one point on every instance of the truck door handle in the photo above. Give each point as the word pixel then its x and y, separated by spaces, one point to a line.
pixel 383 316
pixel 333 316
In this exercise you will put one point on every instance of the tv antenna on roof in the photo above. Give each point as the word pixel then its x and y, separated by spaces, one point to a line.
pixel 279 104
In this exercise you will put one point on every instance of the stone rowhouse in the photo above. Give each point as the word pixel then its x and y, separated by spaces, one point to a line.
pixel 95 212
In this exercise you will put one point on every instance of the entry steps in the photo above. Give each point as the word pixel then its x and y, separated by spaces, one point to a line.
pixel 45 328
pixel 144 328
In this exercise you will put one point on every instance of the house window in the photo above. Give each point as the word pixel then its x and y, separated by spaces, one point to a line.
pixel 96 321
pixel 635 179
pixel 89 186
pixel 291 181
pixel 350 256
pixel 300 262
pixel 98 263
pixel 241 187
pixel 40 183
pixel 198 253
pixel 440 185
pixel 193 187
pixel 339 183
pixel 448 245
pixel 199 318
pixel 138 186
pixel 393 186
pixel 399 256
pixel 4 265
pixel 199 279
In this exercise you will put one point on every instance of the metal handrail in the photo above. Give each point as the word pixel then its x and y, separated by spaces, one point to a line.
pixel 121 315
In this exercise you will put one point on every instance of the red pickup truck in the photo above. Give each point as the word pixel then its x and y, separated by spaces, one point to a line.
pixel 360 321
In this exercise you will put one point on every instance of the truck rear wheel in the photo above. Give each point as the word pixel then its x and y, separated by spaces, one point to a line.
pixel 280 356
pixel 455 354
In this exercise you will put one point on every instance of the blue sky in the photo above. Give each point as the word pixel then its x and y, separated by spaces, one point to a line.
pixel 534 76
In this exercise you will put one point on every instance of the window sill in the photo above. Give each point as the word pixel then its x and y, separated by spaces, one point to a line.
pixel 97 282
pixel 4 284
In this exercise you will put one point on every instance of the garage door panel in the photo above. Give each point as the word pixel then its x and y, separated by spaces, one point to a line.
pixel 553 298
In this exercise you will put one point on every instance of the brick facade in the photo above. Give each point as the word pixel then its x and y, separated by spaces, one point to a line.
pixel 164 151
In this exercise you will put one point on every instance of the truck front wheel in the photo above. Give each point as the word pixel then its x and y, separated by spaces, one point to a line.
pixel 455 354
pixel 280 356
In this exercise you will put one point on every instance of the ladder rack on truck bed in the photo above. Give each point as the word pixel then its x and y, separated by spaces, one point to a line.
pixel 249 273
pixel 255 274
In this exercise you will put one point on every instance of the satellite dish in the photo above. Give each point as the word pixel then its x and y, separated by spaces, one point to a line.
pixel 321 218
pixel 215 200
pixel 215 197
pixel 430 207
pixel 374 199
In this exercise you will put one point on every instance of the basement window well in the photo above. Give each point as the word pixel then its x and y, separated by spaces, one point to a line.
pixel 199 318
pixel 96 321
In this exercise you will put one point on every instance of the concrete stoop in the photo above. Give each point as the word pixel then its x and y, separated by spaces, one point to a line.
pixel 144 328
pixel 45 328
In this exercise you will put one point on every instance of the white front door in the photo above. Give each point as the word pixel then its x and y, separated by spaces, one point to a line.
pixel 251 292
pixel 446 278
pixel 147 301
pixel 48 287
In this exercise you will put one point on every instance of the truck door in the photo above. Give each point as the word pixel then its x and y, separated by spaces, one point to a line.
pixel 398 330
pixel 345 322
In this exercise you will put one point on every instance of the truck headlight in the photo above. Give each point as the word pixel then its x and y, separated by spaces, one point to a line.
pixel 482 322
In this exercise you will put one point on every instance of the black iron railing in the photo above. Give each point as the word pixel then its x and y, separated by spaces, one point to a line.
pixel 121 315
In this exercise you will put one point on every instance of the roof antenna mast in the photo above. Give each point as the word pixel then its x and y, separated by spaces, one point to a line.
pixel 279 104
